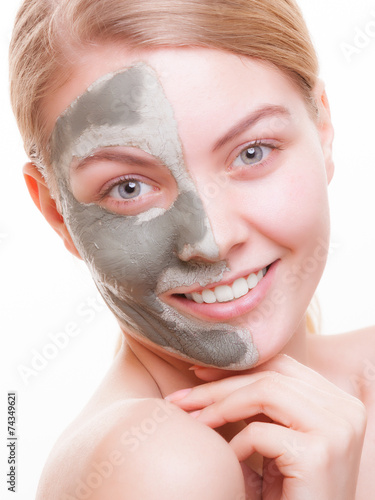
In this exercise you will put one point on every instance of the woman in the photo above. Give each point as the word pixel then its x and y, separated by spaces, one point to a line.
pixel 183 150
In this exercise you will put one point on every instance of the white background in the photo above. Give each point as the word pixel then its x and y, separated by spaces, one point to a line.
pixel 45 291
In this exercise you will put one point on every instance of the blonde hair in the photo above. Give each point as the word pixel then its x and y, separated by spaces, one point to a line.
pixel 48 33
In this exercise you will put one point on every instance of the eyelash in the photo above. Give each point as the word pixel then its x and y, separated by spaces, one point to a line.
pixel 107 188
pixel 262 163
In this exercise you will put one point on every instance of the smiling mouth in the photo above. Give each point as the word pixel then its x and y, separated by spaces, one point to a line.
pixel 227 293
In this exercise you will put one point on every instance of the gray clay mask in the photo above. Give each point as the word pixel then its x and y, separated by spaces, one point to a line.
pixel 133 259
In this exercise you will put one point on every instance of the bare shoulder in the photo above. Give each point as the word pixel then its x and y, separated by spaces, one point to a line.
pixel 347 359
pixel 142 449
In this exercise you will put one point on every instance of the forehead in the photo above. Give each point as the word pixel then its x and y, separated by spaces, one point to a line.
pixel 195 80
pixel 114 104
pixel 128 108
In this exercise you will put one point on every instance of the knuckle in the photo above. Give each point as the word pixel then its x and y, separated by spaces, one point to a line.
pixel 272 381
pixel 319 452
pixel 255 431
pixel 356 425
pixel 207 393
pixel 347 435
pixel 361 416
pixel 210 389
pixel 343 435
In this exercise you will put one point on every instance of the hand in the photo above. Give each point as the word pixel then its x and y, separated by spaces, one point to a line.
pixel 313 436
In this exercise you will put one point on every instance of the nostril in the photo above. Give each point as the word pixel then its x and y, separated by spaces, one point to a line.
pixel 187 252
pixel 202 248
pixel 203 251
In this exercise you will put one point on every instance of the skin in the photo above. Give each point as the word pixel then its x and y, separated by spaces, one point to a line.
pixel 275 213
pixel 262 238
pixel 136 257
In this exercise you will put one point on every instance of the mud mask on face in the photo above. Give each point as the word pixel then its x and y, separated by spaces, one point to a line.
pixel 134 259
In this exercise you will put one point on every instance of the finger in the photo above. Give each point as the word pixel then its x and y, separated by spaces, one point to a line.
pixel 286 446
pixel 284 452
pixel 283 400
pixel 242 389
pixel 206 394
pixel 211 374
pixel 309 462
pixel 273 481
pixel 290 367
pixel 253 483
pixel 337 400
pixel 281 363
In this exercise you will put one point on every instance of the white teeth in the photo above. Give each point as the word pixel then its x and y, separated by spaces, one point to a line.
pixel 208 296
pixel 240 288
pixel 261 273
pixel 252 281
pixel 226 293
pixel 197 297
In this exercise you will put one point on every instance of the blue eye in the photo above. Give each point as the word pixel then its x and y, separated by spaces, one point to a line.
pixel 129 189
pixel 252 155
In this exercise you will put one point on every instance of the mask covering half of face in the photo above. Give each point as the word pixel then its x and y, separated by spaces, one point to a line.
pixel 134 259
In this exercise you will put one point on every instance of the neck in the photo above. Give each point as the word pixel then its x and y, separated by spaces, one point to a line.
pixel 169 374
pixel 297 346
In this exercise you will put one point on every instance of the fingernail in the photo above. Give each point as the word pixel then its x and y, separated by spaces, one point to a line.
pixel 178 395
pixel 195 367
pixel 195 414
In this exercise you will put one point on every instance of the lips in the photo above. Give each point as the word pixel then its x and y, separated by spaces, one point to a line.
pixel 226 293
pixel 222 302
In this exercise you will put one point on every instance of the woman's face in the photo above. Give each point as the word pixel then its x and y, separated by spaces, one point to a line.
pixel 194 184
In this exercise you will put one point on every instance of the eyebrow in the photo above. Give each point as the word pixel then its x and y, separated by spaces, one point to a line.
pixel 115 156
pixel 250 121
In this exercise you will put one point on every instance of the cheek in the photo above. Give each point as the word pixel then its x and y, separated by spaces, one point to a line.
pixel 121 254
pixel 291 207
pixel 304 208
pixel 131 253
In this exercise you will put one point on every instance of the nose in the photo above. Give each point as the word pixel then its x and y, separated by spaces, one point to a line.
pixel 195 239
pixel 204 250
pixel 210 231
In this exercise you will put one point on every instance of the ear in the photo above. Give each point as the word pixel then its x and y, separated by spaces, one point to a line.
pixel 42 198
pixel 325 127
